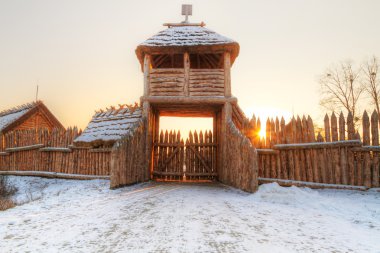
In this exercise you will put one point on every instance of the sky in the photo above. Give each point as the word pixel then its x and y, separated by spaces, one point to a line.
pixel 81 53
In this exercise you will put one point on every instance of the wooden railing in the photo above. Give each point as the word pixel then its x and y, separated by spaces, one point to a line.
pixel 206 82
pixel 174 82
pixel 167 82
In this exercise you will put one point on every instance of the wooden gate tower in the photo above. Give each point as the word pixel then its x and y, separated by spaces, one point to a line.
pixel 187 73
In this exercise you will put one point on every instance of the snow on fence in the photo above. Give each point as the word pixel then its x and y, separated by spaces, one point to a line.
pixel 293 152
pixel 129 163
pixel 240 165
pixel 42 150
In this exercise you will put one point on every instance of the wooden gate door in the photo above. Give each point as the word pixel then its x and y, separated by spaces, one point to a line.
pixel 200 156
pixel 169 157
pixel 175 161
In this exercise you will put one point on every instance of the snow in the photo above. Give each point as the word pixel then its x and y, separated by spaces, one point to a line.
pixel 110 125
pixel 287 182
pixel 187 36
pixel 8 119
pixel 85 216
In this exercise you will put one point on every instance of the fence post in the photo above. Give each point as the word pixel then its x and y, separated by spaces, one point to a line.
pixel 327 128
pixel 350 153
pixel 375 142
pixel 366 142
pixel 343 150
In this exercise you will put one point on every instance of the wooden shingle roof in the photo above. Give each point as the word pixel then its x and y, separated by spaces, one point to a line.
pixel 192 39
pixel 186 36
pixel 12 117
pixel 106 127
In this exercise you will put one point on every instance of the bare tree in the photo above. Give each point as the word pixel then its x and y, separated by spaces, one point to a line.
pixel 371 81
pixel 341 89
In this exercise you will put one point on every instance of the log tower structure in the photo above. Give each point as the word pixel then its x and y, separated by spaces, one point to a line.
pixel 187 73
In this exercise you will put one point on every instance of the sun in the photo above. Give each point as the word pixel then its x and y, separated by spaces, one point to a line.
pixel 262 133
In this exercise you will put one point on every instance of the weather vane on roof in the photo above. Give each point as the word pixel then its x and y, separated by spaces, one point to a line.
pixel 187 10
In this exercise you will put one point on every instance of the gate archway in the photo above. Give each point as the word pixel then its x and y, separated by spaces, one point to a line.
pixel 190 160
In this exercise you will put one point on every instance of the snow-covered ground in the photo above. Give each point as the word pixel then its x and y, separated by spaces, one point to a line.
pixel 85 216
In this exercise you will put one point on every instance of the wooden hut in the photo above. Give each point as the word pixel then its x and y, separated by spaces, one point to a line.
pixel 28 116
pixel 108 126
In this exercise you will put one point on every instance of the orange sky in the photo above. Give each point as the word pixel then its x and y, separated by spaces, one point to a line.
pixel 81 53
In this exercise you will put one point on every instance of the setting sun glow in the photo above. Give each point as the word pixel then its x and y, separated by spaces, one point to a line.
pixel 262 133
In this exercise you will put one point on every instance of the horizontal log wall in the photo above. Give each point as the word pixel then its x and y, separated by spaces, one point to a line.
pixel 175 82
pixel 337 155
pixel 166 82
pixel 206 82
pixel 41 150
pixel 240 164
pixel 129 164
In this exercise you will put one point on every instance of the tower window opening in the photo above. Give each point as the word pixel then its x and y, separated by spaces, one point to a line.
pixel 167 61
pixel 206 61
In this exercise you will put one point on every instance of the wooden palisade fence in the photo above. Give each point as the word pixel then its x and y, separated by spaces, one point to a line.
pixel 41 150
pixel 293 152
pixel 240 166
pixel 128 163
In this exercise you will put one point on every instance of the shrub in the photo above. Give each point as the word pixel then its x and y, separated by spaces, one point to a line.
pixel 6 192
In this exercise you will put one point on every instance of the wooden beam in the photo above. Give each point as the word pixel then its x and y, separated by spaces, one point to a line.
pixel 186 60
pixel 227 74
pixel 146 74
pixel 334 144
pixel 188 100
pixel 312 185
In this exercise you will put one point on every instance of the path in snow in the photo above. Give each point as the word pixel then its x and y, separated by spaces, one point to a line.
pixel 85 216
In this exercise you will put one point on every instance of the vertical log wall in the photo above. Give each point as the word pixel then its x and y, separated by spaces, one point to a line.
pixel 240 161
pixel 128 162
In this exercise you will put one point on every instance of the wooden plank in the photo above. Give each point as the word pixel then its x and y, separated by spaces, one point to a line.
pixel 167 71
pixel 147 68
pixel 227 74
pixel 187 73
pixel 206 94
pixel 24 148
pixel 317 145
pixel 312 185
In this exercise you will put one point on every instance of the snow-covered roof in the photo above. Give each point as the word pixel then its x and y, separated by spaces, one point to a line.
pixel 186 36
pixel 7 117
pixel 109 126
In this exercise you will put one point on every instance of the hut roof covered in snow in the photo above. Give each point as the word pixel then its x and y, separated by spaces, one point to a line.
pixel 108 126
pixel 180 39
pixel 27 116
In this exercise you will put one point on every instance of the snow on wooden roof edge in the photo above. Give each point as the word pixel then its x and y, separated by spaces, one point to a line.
pixel 110 125
pixel 9 116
